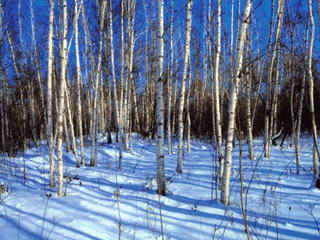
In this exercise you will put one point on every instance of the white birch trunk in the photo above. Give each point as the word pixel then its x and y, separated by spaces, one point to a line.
pixel 268 116
pixel 36 56
pixel 71 126
pixel 248 115
pixel 121 105
pixel 183 87
pixel 101 107
pixel 298 124
pixel 275 92
pixel 77 10
pixel 232 105
pixel 66 132
pixel 135 107
pixel 311 93
pixel 169 87
pixel 129 78
pixel 93 160
pixel 160 103
pixel 116 102
pixel 188 120
pixel 61 101
pixel 231 28
pixel 217 91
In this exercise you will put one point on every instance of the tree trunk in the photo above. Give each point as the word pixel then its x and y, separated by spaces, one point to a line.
pixel 183 87
pixel 116 105
pixel 169 84
pixel 268 114
pixel 188 119
pixel 298 124
pixel 61 102
pixel 232 105
pixel 93 160
pixel 217 92
pixel 160 103
pixel 77 10
pixel 49 93
pixel 36 58
pixel 71 126
pixel 248 115
pixel 311 92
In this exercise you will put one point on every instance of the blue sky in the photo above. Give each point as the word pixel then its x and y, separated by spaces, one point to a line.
pixel 261 20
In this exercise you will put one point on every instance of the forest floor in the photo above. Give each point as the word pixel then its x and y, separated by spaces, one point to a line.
pixel 104 203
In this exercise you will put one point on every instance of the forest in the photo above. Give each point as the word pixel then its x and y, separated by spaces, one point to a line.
pixel 159 119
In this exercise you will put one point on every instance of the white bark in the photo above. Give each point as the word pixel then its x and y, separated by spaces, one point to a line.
pixel 61 101
pixel 311 93
pixel 113 73
pixel 248 115
pixel 90 64
pixel 188 120
pixel 276 92
pixel 66 132
pixel 49 94
pixel 77 10
pixel 267 133
pixel 183 87
pixel 116 102
pixel 231 27
pixel 93 160
pixel 135 107
pixel 169 84
pixel 233 103
pixel 217 91
pixel 169 88
pixel 121 109
pixel 131 5
pixel 298 124
pixel 71 126
pixel 160 103
pixel 36 56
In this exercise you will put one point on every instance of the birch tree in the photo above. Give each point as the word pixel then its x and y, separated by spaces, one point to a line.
pixel 61 102
pixel 93 161
pixel 169 84
pixel 183 87
pixel 71 126
pixel 36 56
pixel 233 103
pixel 77 10
pixel 188 119
pixel 160 103
pixel 130 10
pixel 268 114
pixel 49 94
pixel 217 90
pixel 113 75
pixel 311 93
pixel 248 82
pixel 297 125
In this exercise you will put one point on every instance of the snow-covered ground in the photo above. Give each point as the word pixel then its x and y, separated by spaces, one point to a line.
pixel 103 203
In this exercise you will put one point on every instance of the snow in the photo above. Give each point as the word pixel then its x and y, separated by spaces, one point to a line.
pixel 105 203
